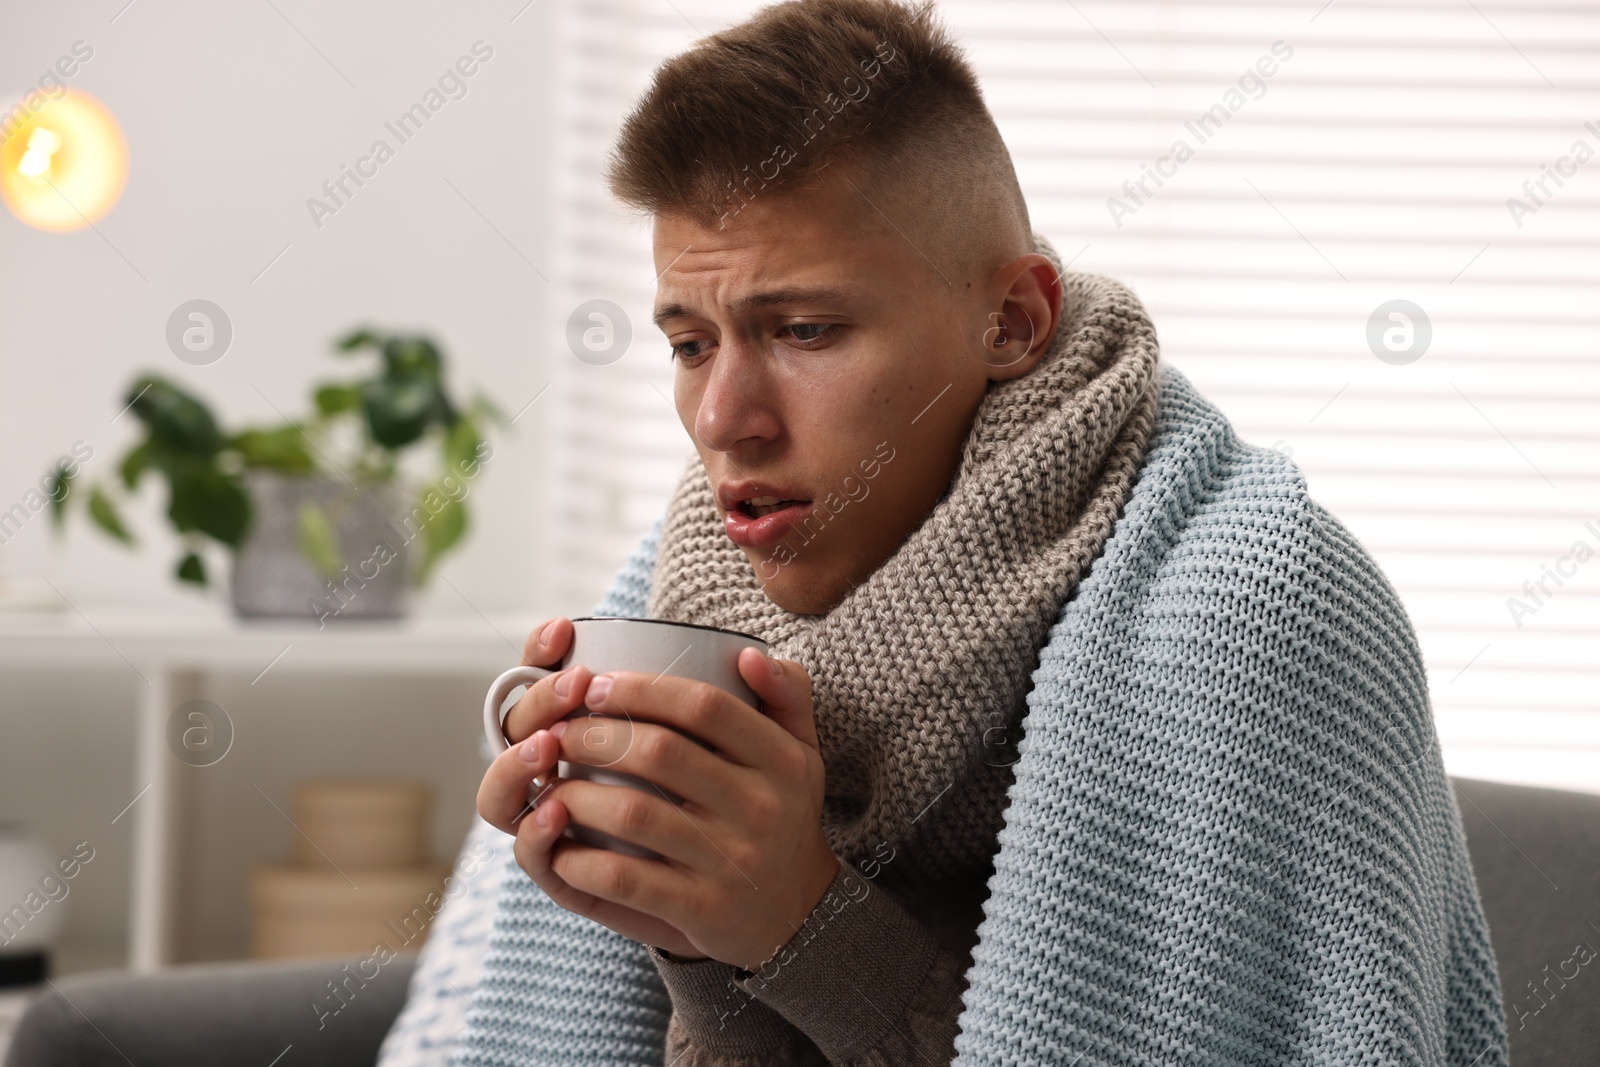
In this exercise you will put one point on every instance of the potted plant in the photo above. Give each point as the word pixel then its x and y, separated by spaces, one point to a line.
pixel 321 517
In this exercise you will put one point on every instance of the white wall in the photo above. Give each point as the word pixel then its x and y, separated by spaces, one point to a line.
pixel 233 122
pixel 234 119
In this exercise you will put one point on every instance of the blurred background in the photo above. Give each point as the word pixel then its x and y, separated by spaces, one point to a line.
pixel 1367 230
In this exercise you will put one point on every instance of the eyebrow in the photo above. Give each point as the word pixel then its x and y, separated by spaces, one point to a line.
pixel 771 298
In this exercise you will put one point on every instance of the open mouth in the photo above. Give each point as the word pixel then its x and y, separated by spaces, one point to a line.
pixel 758 506
pixel 763 521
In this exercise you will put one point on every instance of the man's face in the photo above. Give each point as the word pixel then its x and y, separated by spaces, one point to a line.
pixel 825 369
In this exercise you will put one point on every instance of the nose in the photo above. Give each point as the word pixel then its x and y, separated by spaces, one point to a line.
pixel 735 401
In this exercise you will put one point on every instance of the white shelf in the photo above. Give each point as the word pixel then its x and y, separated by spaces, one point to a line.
pixel 173 652
pixel 217 640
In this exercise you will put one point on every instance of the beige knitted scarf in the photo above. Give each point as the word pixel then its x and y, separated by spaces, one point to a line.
pixel 920 675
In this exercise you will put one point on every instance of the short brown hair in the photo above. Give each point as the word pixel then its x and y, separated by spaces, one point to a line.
pixel 765 105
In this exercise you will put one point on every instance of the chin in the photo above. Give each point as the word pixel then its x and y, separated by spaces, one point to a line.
pixel 792 589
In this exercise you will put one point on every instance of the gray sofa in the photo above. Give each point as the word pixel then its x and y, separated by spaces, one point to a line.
pixel 249 1013
pixel 1536 854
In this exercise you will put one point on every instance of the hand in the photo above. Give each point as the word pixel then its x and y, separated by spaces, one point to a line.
pixel 745 858
pixel 503 795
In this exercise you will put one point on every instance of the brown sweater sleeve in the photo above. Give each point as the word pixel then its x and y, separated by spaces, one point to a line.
pixel 863 983
pixel 715 1023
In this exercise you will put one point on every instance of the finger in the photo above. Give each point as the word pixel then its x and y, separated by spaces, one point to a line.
pixel 503 793
pixel 658 754
pixel 537 835
pixel 643 818
pixel 540 849
pixel 737 731
pixel 606 885
pixel 547 643
pixel 546 702
pixel 785 691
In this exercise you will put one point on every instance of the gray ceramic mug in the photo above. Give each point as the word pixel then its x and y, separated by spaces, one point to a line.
pixel 653 646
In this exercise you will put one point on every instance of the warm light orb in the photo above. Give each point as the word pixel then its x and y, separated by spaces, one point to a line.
pixel 63 161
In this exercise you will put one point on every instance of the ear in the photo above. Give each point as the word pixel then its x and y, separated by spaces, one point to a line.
pixel 1020 332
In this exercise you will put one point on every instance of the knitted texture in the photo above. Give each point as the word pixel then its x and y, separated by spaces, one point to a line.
pixel 923 667
pixel 1229 839
pixel 557 989
pixel 451 959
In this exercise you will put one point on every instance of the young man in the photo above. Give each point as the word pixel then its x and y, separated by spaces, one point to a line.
pixel 1054 651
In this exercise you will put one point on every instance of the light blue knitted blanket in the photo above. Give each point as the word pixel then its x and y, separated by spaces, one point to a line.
pixel 1230 839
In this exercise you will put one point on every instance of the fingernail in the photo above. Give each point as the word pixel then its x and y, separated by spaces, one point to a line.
pixel 563 684
pixel 773 665
pixel 599 689
pixel 559 728
pixel 528 751
pixel 545 631
pixel 541 816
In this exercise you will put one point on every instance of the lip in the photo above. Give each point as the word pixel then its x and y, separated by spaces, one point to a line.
pixel 768 530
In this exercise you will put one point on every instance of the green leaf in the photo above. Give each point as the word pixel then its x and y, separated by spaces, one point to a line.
pixel 205 499
pixel 397 409
pixel 59 482
pixel 460 446
pixel 174 418
pixel 444 412
pixel 334 398
pixel 318 539
pixel 283 448
pixel 135 463
pixel 443 530
pixel 408 357
pixel 104 514
pixel 358 338
pixel 192 569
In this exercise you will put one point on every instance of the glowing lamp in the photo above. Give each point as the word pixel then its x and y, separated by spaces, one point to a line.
pixel 63 161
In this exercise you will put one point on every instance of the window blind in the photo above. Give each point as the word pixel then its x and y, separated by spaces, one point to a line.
pixel 1367 230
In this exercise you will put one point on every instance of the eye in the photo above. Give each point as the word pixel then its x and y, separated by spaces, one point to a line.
pixel 808 332
pixel 686 351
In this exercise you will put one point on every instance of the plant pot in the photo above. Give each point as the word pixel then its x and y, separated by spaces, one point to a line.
pixel 273 578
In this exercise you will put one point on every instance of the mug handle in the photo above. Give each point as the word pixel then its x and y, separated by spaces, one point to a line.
pixel 493 721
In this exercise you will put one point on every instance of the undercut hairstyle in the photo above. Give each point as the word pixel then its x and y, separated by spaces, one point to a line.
pixel 875 88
